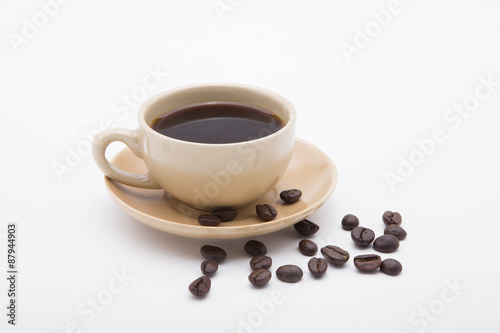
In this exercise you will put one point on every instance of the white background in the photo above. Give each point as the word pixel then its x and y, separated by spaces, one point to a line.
pixel 366 114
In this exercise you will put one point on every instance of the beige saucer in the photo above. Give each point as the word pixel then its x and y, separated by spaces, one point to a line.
pixel 310 170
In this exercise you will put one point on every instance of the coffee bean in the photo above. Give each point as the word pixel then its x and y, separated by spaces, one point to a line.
pixel 335 254
pixel 260 277
pixel 266 212
pixel 392 218
pixel 317 266
pixel 225 215
pixel 362 236
pixel 391 267
pixel 386 243
pixel 367 262
pixel 307 247
pixel 209 220
pixel 209 267
pixel 261 261
pixel 291 196
pixel 201 286
pixel 289 273
pixel 350 222
pixel 213 253
pixel 306 227
pixel 253 248
pixel 395 230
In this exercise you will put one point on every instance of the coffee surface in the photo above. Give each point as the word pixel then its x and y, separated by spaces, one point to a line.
pixel 217 122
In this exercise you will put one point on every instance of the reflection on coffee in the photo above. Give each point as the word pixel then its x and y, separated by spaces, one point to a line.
pixel 217 122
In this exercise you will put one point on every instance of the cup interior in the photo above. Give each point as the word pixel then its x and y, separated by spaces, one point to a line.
pixel 178 98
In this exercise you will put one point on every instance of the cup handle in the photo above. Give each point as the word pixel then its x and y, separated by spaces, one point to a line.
pixel 128 137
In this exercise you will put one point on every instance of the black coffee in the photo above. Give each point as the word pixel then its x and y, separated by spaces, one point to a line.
pixel 217 122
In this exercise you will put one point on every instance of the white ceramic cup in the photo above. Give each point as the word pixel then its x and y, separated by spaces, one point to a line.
pixel 201 175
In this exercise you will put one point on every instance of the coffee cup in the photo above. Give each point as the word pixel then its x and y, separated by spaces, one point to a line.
pixel 205 175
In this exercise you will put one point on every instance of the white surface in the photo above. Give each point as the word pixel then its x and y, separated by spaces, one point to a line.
pixel 365 114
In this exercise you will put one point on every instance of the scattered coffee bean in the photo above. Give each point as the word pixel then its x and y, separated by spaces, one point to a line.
pixel 253 248
pixel 350 222
pixel 306 227
pixel 392 218
pixel 209 220
pixel 362 236
pixel 260 277
pixel 391 267
pixel 261 261
pixel 317 266
pixel 335 254
pixel 395 230
pixel 367 262
pixel 291 196
pixel 307 247
pixel 289 273
pixel 213 253
pixel 209 267
pixel 225 215
pixel 201 286
pixel 386 243
pixel 266 212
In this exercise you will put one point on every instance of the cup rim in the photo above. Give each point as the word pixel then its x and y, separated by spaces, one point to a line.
pixel 292 115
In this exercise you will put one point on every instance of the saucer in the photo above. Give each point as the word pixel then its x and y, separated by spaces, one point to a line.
pixel 310 170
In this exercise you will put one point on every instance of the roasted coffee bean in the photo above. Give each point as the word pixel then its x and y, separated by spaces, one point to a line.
pixel 253 248
pixel 317 266
pixel 350 222
pixel 367 262
pixel 209 220
pixel 392 218
pixel 290 196
pixel 213 253
pixel 386 243
pixel 395 230
pixel 266 212
pixel 261 261
pixel 260 277
pixel 201 286
pixel 209 267
pixel 289 273
pixel 307 247
pixel 362 236
pixel 306 227
pixel 391 267
pixel 225 215
pixel 335 254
